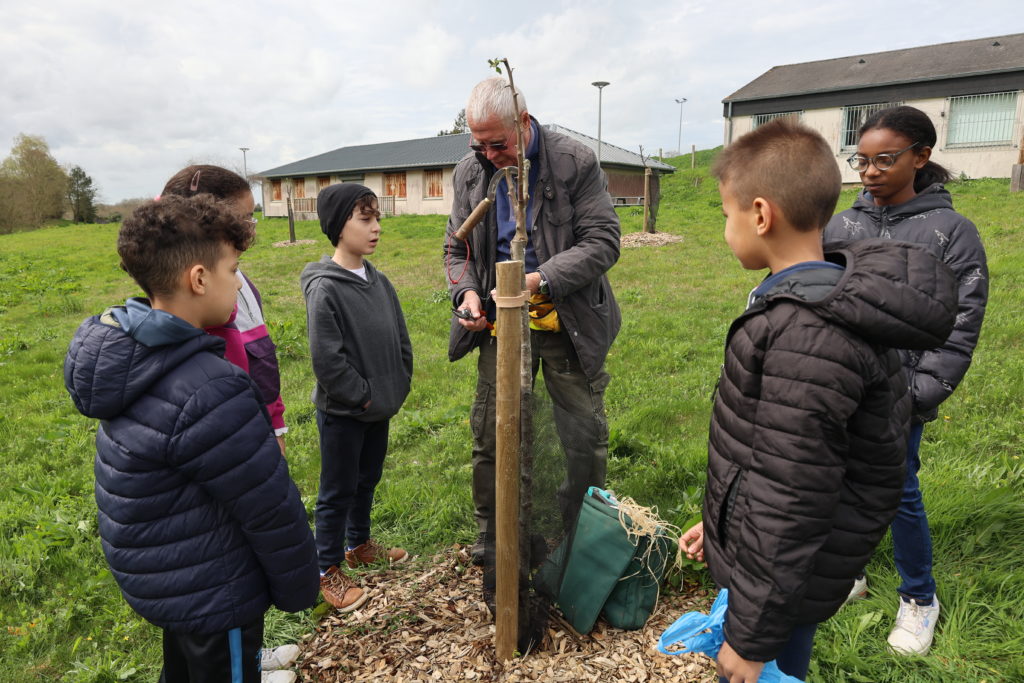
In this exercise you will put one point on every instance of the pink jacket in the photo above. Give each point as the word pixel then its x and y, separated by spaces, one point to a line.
pixel 250 348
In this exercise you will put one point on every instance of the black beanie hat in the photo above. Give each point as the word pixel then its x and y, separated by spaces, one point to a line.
pixel 334 206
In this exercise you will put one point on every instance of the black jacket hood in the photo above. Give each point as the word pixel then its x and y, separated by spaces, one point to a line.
pixel 935 196
pixel 891 293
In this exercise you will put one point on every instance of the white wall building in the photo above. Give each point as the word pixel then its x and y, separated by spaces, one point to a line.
pixel 973 90
pixel 415 176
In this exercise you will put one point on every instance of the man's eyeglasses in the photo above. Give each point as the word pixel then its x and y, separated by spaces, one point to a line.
pixel 494 146
pixel 883 162
pixel 483 147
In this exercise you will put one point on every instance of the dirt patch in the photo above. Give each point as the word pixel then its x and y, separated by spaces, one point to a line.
pixel 648 239
pixel 428 622
pixel 296 243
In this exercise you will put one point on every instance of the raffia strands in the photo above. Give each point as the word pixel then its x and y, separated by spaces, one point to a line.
pixel 642 522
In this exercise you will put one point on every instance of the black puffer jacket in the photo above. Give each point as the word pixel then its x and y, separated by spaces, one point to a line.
pixel 200 523
pixel 808 435
pixel 929 220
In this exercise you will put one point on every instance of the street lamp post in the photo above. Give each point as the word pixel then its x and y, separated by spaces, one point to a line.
pixel 679 140
pixel 600 86
pixel 245 169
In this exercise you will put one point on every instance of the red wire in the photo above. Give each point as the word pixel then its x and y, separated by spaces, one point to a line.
pixel 448 260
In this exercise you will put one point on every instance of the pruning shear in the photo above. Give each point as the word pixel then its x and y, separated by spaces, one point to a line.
pixel 467 314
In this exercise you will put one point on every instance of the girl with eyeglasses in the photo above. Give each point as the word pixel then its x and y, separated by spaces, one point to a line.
pixel 904 199
pixel 248 342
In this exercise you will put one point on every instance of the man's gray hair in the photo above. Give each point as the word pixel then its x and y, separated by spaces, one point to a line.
pixel 493 97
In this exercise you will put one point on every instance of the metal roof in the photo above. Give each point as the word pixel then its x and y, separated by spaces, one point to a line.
pixel 965 58
pixel 612 155
pixel 432 152
pixel 441 150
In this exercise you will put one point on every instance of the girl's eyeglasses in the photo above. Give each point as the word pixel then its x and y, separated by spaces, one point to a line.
pixel 883 162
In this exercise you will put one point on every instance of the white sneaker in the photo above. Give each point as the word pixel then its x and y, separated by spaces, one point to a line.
pixel 280 657
pixel 278 677
pixel 859 591
pixel 915 627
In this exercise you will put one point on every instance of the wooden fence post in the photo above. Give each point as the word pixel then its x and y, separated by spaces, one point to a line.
pixel 507 417
pixel 647 198
pixel 291 220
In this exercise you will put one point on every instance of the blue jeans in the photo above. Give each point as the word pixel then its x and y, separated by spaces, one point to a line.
pixel 351 463
pixel 795 657
pixel 911 538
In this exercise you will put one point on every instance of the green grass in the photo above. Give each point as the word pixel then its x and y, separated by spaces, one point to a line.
pixel 62 617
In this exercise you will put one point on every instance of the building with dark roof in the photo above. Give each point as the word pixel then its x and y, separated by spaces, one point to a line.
pixel 971 89
pixel 415 176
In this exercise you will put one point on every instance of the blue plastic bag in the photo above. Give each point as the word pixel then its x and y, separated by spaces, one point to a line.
pixel 699 632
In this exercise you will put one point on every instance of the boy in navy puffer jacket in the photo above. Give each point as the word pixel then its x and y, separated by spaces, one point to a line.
pixel 200 522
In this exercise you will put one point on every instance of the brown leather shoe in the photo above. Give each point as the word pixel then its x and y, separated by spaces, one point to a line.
pixel 340 591
pixel 371 553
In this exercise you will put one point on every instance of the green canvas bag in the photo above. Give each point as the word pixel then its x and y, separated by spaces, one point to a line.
pixel 604 570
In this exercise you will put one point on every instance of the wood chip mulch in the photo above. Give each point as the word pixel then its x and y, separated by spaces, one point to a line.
pixel 649 239
pixel 428 622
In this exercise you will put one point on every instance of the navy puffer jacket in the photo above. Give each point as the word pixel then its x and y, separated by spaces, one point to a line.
pixel 200 522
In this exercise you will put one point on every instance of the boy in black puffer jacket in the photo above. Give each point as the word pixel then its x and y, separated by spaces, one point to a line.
pixel 201 525
pixel 808 434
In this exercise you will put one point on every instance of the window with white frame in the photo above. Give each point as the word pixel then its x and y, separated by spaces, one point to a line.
pixel 761 119
pixel 854 117
pixel 981 120
pixel 433 187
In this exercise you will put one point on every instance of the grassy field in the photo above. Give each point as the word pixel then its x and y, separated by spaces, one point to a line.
pixel 62 618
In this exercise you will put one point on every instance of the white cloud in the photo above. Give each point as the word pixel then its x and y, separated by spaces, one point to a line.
pixel 132 93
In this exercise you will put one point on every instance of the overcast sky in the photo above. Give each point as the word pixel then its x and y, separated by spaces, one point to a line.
pixel 132 94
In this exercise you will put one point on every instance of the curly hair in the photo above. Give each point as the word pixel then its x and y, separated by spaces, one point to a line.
pixel 164 237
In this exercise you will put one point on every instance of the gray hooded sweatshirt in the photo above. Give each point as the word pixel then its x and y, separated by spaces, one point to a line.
pixel 358 341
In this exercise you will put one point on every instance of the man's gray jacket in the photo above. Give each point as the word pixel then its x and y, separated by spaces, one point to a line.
pixel 574 232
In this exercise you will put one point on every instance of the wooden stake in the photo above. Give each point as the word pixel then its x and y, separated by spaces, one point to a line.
pixel 291 220
pixel 647 198
pixel 507 417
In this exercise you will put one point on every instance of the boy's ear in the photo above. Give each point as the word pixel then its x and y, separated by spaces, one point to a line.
pixel 197 279
pixel 764 216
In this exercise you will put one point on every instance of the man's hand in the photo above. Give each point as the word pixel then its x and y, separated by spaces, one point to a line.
pixel 471 300
pixel 735 669
pixel 692 542
pixel 533 282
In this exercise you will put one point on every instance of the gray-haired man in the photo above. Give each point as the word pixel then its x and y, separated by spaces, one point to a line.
pixel 573 241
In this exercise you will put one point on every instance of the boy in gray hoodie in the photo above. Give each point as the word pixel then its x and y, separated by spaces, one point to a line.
pixel 362 360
